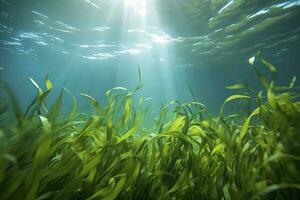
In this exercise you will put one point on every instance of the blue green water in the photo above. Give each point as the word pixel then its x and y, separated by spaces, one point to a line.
pixel 90 46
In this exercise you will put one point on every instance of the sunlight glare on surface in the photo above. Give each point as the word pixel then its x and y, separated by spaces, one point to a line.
pixel 138 6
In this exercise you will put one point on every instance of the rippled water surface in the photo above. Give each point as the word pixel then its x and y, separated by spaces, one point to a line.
pixel 93 45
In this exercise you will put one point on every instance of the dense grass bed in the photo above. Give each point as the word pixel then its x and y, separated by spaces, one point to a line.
pixel 250 153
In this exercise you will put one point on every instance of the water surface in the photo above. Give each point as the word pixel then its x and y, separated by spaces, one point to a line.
pixel 91 46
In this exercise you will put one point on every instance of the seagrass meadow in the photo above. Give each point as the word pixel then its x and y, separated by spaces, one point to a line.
pixel 250 152
pixel 149 100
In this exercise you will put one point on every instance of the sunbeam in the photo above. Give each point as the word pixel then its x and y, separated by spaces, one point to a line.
pixel 140 32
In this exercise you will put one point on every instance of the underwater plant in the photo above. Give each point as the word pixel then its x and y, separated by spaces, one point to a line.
pixel 189 154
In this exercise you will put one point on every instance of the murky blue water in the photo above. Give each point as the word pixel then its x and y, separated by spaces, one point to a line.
pixel 91 46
